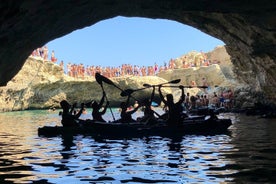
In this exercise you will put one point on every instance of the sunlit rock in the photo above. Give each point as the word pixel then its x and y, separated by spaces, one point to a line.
pixel 43 84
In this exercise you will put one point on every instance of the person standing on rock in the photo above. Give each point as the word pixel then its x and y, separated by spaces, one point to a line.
pixel 53 58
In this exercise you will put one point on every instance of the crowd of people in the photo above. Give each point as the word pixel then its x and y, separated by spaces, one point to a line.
pixel 81 71
pixel 224 100
pixel 43 53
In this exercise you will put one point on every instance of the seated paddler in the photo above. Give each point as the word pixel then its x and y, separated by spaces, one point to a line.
pixel 126 115
pixel 174 109
pixel 96 112
pixel 68 118
pixel 148 110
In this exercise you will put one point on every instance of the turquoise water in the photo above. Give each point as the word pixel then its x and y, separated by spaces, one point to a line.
pixel 246 155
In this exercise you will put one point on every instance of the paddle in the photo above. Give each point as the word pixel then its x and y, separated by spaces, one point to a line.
pixel 100 80
pixel 186 86
pixel 176 81
pixel 130 91
pixel 108 81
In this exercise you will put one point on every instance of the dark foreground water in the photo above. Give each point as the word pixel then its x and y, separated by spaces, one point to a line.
pixel 246 155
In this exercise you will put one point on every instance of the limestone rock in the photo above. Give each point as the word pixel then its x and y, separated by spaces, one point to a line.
pixel 43 84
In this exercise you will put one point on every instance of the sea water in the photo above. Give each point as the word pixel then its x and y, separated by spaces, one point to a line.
pixel 245 155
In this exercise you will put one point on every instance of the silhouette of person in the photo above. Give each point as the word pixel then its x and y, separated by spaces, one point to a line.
pixel 174 109
pixel 148 109
pixel 96 113
pixel 69 119
pixel 126 115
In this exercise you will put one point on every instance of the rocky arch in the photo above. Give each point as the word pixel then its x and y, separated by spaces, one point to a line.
pixel 248 29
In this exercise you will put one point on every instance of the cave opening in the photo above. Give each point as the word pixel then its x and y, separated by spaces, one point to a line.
pixel 121 40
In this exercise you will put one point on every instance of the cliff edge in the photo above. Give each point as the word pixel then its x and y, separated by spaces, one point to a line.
pixel 42 84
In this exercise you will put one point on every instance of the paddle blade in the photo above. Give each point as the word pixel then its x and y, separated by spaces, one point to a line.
pixel 204 87
pixel 176 81
pixel 100 78
pixel 147 85
pixel 127 92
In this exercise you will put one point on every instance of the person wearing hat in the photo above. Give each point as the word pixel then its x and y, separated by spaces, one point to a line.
pixel 69 119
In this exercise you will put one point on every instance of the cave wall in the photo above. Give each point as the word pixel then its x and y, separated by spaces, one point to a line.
pixel 247 29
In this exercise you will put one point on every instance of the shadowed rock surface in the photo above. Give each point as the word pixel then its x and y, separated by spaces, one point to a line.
pixel 247 29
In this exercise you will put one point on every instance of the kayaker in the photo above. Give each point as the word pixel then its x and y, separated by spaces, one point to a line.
pixel 126 115
pixel 148 109
pixel 174 109
pixel 69 119
pixel 96 107
pixel 148 112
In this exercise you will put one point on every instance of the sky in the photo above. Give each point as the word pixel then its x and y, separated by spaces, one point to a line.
pixel 136 41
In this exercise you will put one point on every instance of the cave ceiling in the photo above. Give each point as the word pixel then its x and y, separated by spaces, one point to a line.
pixel 247 29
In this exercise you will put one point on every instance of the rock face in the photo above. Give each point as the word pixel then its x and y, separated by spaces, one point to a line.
pixel 43 84
pixel 248 29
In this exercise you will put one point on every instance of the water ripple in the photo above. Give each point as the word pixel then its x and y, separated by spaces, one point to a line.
pixel 246 155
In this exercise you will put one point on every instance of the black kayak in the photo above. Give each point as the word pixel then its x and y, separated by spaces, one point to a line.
pixel 192 125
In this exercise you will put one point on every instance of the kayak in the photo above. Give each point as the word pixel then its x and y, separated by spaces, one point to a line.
pixel 193 125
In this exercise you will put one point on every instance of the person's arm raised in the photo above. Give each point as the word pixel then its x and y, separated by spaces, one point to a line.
pixel 80 111
pixel 161 95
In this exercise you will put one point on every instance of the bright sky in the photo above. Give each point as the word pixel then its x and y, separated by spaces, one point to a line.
pixel 122 40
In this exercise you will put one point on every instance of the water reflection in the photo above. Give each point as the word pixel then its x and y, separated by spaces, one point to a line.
pixel 253 152
pixel 247 155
